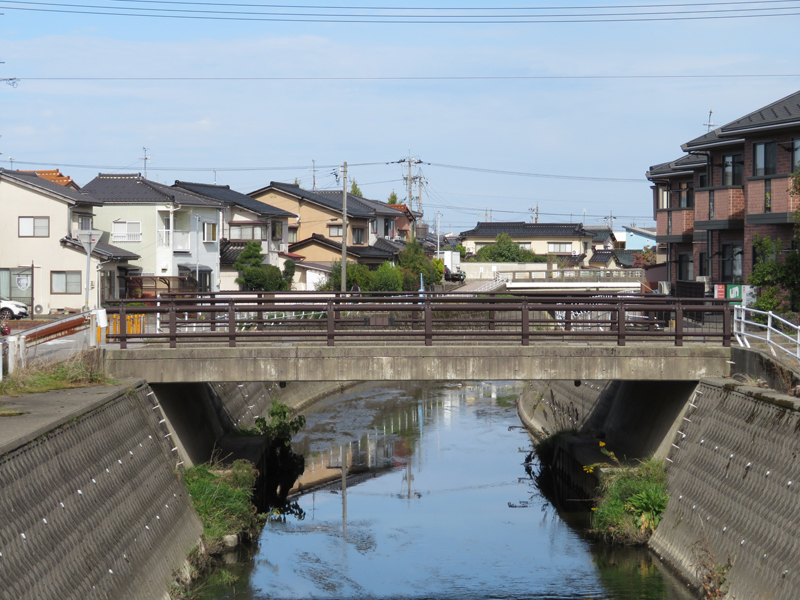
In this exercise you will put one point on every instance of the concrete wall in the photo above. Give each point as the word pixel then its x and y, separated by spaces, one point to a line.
pixel 733 483
pixel 394 362
pixel 94 509
pixel 732 464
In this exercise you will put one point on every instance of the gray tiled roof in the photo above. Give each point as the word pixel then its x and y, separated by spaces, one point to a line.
pixel 379 208
pixel 102 249
pixel 679 165
pixel 522 229
pixel 360 251
pixel 134 189
pixel 601 234
pixel 785 111
pixel 328 199
pixel 47 186
pixel 626 257
pixel 712 138
pixel 226 195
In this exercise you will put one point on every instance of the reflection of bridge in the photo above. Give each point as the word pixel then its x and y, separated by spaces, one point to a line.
pixel 421 336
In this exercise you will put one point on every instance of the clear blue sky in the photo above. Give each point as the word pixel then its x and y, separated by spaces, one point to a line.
pixel 598 128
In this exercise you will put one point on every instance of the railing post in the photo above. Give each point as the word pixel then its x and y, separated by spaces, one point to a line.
pixel 678 324
pixel 12 354
pixel 491 320
pixel 123 331
pixel 173 327
pixel 260 313
pixel 231 325
pixel 568 320
pixel 726 327
pixel 331 316
pixel 651 320
pixel 620 322
pixel 526 323
pixel 769 327
pixel 428 323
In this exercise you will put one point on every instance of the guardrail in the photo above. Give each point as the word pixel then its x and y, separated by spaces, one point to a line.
pixel 422 317
pixel 766 326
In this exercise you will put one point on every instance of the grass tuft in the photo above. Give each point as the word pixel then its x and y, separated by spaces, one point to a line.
pixel 80 370
pixel 223 498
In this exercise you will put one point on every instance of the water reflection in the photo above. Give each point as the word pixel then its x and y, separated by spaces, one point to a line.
pixel 436 503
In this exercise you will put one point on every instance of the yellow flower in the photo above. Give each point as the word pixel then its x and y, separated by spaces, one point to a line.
pixel 593 508
pixel 602 444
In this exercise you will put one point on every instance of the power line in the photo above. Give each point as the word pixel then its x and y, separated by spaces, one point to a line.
pixel 16 80
pixel 539 175
pixel 351 19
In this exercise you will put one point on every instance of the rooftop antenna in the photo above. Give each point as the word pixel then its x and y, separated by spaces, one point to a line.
pixel 144 159
pixel 709 125
pixel 215 176
pixel 313 175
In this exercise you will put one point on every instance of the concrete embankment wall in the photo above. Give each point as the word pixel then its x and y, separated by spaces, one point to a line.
pixel 94 509
pixel 733 466
pixel 733 484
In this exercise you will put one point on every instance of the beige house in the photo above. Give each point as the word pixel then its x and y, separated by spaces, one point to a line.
pixel 569 241
pixel 41 261
pixel 320 213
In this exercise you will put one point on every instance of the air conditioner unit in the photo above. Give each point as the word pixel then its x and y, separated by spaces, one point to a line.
pixel 664 287
pixel 574 253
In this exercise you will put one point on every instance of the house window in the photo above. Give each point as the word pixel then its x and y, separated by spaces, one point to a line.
pixel 34 227
pixel 358 235
pixel 292 235
pixel 711 205
pixel 702 180
pixel 663 197
pixel 65 282
pixel 248 232
pixel 85 223
pixel 765 158
pixel 277 231
pixel 527 246
pixel 685 266
pixel 767 195
pixel 686 195
pixel 334 231
pixel 126 231
pixel 732 169
pixel 209 232
pixel 373 226
pixel 387 227
pixel 559 247
pixel 795 154
pixel 204 281
pixel 703 266
pixel 107 285
pixel 731 262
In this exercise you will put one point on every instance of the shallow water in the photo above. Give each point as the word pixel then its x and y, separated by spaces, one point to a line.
pixel 442 508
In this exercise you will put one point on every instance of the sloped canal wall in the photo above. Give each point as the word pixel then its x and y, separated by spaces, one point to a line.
pixel 95 507
pixel 732 465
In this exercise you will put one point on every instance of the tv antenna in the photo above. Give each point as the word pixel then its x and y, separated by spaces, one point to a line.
pixel 709 125
pixel 145 160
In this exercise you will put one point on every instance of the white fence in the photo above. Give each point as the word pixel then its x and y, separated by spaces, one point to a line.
pixel 767 327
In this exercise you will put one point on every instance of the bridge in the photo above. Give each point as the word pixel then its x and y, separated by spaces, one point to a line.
pixel 312 336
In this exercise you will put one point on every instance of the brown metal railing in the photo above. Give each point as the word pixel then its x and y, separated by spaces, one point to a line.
pixel 426 318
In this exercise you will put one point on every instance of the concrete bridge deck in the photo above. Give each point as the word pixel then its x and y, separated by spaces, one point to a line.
pixel 645 361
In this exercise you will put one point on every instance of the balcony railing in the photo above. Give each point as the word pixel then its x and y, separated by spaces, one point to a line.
pixel 181 239
pixel 126 237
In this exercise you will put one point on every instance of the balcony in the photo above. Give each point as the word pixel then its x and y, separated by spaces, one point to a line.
pixel 180 240
pixel 126 237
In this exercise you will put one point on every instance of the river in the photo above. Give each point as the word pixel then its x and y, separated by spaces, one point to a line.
pixel 438 505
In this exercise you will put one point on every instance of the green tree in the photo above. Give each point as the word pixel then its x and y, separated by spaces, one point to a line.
pixel 256 276
pixel 505 249
pixel 392 198
pixel 354 189
pixel 777 276
pixel 387 278
pixel 413 260
pixel 288 273
pixel 282 465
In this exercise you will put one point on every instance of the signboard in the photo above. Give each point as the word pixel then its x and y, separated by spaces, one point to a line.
pixel 23 282
pixel 740 294
pixel 719 291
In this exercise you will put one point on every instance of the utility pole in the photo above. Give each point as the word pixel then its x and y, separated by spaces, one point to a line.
pixel 410 181
pixel 438 222
pixel 611 220
pixel 313 175
pixel 344 226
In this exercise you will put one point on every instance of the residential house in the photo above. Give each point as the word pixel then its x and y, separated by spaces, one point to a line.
pixel 568 241
pixel 41 261
pixel 320 213
pixel 733 184
pixel 174 231
pixel 320 249
pixel 604 238
pixel 243 220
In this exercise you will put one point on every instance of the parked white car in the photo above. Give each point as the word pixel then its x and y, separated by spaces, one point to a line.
pixel 11 309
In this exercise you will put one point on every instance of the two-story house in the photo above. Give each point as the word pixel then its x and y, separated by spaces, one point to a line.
pixel 243 220
pixel 174 231
pixel 42 263
pixel 320 213
pixel 568 241
pixel 733 184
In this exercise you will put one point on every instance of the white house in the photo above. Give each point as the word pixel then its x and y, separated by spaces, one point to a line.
pixel 41 261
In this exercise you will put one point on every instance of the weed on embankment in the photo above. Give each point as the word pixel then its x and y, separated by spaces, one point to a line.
pixel 80 370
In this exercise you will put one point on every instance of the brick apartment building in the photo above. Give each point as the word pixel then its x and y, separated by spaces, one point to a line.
pixel 733 183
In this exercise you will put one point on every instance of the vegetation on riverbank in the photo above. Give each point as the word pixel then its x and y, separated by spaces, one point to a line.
pixel 80 370
pixel 631 500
